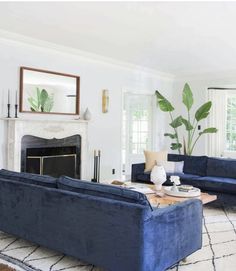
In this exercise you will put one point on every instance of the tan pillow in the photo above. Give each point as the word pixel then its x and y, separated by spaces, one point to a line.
pixel 152 158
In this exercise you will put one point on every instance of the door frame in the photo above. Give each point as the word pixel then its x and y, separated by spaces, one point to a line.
pixel 137 91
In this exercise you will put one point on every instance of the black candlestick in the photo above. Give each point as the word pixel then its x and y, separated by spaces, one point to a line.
pixel 16 110
pixel 8 110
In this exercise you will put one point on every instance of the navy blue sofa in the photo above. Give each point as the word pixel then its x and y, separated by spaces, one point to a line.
pixel 206 173
pixel 110 227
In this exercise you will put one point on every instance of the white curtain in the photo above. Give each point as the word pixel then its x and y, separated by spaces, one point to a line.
pixel 217 118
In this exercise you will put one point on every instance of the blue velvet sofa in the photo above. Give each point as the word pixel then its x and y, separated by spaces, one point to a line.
pixel 110 227
pixel 206 173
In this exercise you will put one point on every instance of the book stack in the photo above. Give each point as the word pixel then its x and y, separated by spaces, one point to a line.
pixel 185 188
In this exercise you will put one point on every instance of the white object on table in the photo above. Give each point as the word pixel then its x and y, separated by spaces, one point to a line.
pixel 195 192
pixel 158 176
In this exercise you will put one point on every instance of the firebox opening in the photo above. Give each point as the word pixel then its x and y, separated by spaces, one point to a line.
pixel 55 161
pixel 54 157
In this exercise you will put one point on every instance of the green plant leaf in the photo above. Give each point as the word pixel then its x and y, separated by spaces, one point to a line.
pixel 203 111
pixel 33 104
pixel 187 96
pixel 38 97
pixel 187 124
pixel 173 136
pixel 163 103
pixel 43 98
pixel 176 146
pixel 210 130
pixel 49 104
pixel 176 122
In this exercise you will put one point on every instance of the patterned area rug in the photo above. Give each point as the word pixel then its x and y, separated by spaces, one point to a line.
pixel 218 252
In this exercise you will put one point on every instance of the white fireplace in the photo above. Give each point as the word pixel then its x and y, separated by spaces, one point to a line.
pixel 48 129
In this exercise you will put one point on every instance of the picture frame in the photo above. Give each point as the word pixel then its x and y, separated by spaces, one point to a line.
pixel 48 92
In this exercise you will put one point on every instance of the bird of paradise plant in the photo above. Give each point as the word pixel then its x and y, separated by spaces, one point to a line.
pixel 190 123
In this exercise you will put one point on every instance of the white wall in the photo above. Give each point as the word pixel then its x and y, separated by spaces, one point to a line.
pixel 104 129
pixel 199 86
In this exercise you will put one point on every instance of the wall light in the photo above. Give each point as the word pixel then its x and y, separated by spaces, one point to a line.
pixel 105 100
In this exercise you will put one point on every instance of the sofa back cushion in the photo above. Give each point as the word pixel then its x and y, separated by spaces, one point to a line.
pixel 196 165
pixel 30 178
pixel 102 190
pixel 219 167
pixel 175 157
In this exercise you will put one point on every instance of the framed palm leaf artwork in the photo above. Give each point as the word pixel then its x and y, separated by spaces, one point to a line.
pixel 48 92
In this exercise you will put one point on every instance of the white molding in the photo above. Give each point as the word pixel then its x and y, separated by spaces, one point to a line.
pixel 10 37
pixel 207 76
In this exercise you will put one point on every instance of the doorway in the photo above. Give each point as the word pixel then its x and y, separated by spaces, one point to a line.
pixel 137 129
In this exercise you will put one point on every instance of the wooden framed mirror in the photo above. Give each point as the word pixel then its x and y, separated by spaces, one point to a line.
pixel 48 92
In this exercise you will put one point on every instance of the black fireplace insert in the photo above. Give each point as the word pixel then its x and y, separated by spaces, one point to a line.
pixel 54 157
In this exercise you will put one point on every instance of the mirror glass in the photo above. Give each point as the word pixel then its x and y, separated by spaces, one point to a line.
pixel 48 92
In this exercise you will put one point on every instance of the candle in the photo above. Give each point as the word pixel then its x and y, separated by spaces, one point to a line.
pixel 16 97
pixel 8 96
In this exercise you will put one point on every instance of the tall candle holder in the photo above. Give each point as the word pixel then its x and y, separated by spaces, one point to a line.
pixel 16 110
pixel 8 110
pixel 16 105
pixel 8 105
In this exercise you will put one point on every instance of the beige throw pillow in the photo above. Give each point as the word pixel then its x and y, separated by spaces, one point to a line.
pixel 154 157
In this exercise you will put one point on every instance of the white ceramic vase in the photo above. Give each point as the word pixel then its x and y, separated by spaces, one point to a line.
pixel 87 114
pixel 158 176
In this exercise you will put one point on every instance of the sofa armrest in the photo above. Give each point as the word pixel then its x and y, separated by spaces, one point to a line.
pixel 135 170
pixel 172 233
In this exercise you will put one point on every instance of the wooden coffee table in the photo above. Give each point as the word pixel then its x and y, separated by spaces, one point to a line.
pixel 164 199
pixel 168 200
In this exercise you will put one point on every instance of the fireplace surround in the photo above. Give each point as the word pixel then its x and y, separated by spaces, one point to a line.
pixel 52 130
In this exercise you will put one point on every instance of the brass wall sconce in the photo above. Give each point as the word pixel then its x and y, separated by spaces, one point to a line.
pixel 105 100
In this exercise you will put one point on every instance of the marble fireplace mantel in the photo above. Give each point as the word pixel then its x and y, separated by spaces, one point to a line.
pixel 17 128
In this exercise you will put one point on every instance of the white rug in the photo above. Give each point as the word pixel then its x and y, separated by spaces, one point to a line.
pixel 218 252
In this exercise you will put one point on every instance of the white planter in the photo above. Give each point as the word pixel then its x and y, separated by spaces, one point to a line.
pixel 158 176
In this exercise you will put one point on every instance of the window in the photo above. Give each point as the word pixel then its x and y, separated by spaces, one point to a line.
pixel 139 131
pixel 231 123
pixel 223 117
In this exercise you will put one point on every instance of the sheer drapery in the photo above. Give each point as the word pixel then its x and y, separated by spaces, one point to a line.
pixel 217 118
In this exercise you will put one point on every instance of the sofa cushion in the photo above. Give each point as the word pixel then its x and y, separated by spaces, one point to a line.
pixel 218 184
pixel 196 165
pixel 183 176
pixel 30 178
pixel 102 190
pixel 221 167
pixel 175 157
pixel 145 176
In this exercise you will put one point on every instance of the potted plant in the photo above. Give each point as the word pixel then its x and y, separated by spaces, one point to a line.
pixel 190 123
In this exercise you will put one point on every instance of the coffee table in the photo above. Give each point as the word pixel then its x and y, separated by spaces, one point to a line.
pixel 168 200
pixel 162 199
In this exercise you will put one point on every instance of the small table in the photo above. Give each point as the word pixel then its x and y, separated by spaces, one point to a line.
pixel 168 200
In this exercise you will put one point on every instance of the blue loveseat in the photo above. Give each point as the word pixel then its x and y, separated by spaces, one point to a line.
pixel 108 226
pixel 206 173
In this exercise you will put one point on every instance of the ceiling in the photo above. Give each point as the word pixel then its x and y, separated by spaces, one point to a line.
pixel 181 38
